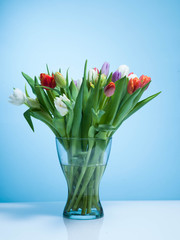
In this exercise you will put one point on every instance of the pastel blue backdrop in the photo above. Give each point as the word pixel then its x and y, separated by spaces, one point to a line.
pixel 145 159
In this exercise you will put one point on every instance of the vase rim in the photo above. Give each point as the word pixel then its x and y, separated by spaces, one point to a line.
pixel 79 138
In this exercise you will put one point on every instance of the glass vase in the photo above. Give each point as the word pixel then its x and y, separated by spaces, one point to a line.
pixel 83 162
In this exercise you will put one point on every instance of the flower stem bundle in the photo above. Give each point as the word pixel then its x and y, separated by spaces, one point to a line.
pixel 79 112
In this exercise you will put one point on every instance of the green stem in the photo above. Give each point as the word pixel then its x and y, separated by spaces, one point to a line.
pixel 87 178
pixel 90 193
pixel 83 170
pixel 84 184
pixel 84 203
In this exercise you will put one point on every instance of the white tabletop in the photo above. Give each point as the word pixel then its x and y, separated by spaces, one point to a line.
pixel 123 220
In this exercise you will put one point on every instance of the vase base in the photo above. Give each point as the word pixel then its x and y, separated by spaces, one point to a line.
pixel 77 215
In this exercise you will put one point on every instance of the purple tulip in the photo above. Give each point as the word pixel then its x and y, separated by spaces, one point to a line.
pixel 116 76
pixel 75 82
pixel 105 68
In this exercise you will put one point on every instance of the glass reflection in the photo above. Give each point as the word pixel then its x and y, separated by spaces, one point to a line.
pixel 83 229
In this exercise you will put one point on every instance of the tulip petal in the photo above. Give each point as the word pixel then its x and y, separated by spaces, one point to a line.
pixel 109 89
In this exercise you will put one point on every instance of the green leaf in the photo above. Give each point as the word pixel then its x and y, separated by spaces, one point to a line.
pixel 125 108
pixel 91 132
pixel 30 82
pixel 141 104
pixel 85 88
pixel 105 127
pixel 59 125
pixel 128 105
pixel 92 102
pixel 53 89
pixel 102 135
pixel 140 94
pixel 78 109
pixel 26 92
pixel 27 116
pixel 73 90
pixel 43 98
pixel 44 117
pixel 109 78
pixel 69 122
pixel 115 101
pixel 68 104
pixel 67 86
pixel 126 94
pixel 97 115
pixel 47 69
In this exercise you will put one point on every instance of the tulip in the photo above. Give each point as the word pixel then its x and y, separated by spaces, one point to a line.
pixel 144 80
pixel 18 98
pixel 60 105
pixel 78 83
pixel 33 103
pixel 105 68
pixel 116 76
pixel 124 70
pixel 47 81
pixel 103 80
pixel 60 80
pixel 132 75
pixel 96 70
pixel 93 75
pixel 133 85
pixel 109 89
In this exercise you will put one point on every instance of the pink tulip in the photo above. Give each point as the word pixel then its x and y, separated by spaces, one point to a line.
pixel 109 89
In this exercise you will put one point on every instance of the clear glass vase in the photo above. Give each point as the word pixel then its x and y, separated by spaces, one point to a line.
pixel 83 161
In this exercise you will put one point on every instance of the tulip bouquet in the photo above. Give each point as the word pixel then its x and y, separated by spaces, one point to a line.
pixel 91 108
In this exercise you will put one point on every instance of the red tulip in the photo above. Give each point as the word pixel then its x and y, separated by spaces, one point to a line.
pixel 133 85
pixel 109 89
pixel 47 81
pixel 144 80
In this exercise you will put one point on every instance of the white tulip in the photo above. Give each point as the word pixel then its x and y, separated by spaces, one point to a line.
pixel 132 75
pixel 124 70
pixel 93 75
pixel 60 105
pixel 18 98
pixel 79 82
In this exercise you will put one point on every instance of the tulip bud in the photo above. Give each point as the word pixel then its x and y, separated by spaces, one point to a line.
pixel 109 89
pixel 33 103
pixel 116 76
pixel 47 81
pixel 133 85
pixel 103 80
pixel 144 80
pixel 18 98
pixel 78 83
pixel 93 75
pixel 60 80
pixel 105 68
pixel 96 70
pixel 124 70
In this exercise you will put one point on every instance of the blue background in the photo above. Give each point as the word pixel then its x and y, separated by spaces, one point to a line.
pixel 145 158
